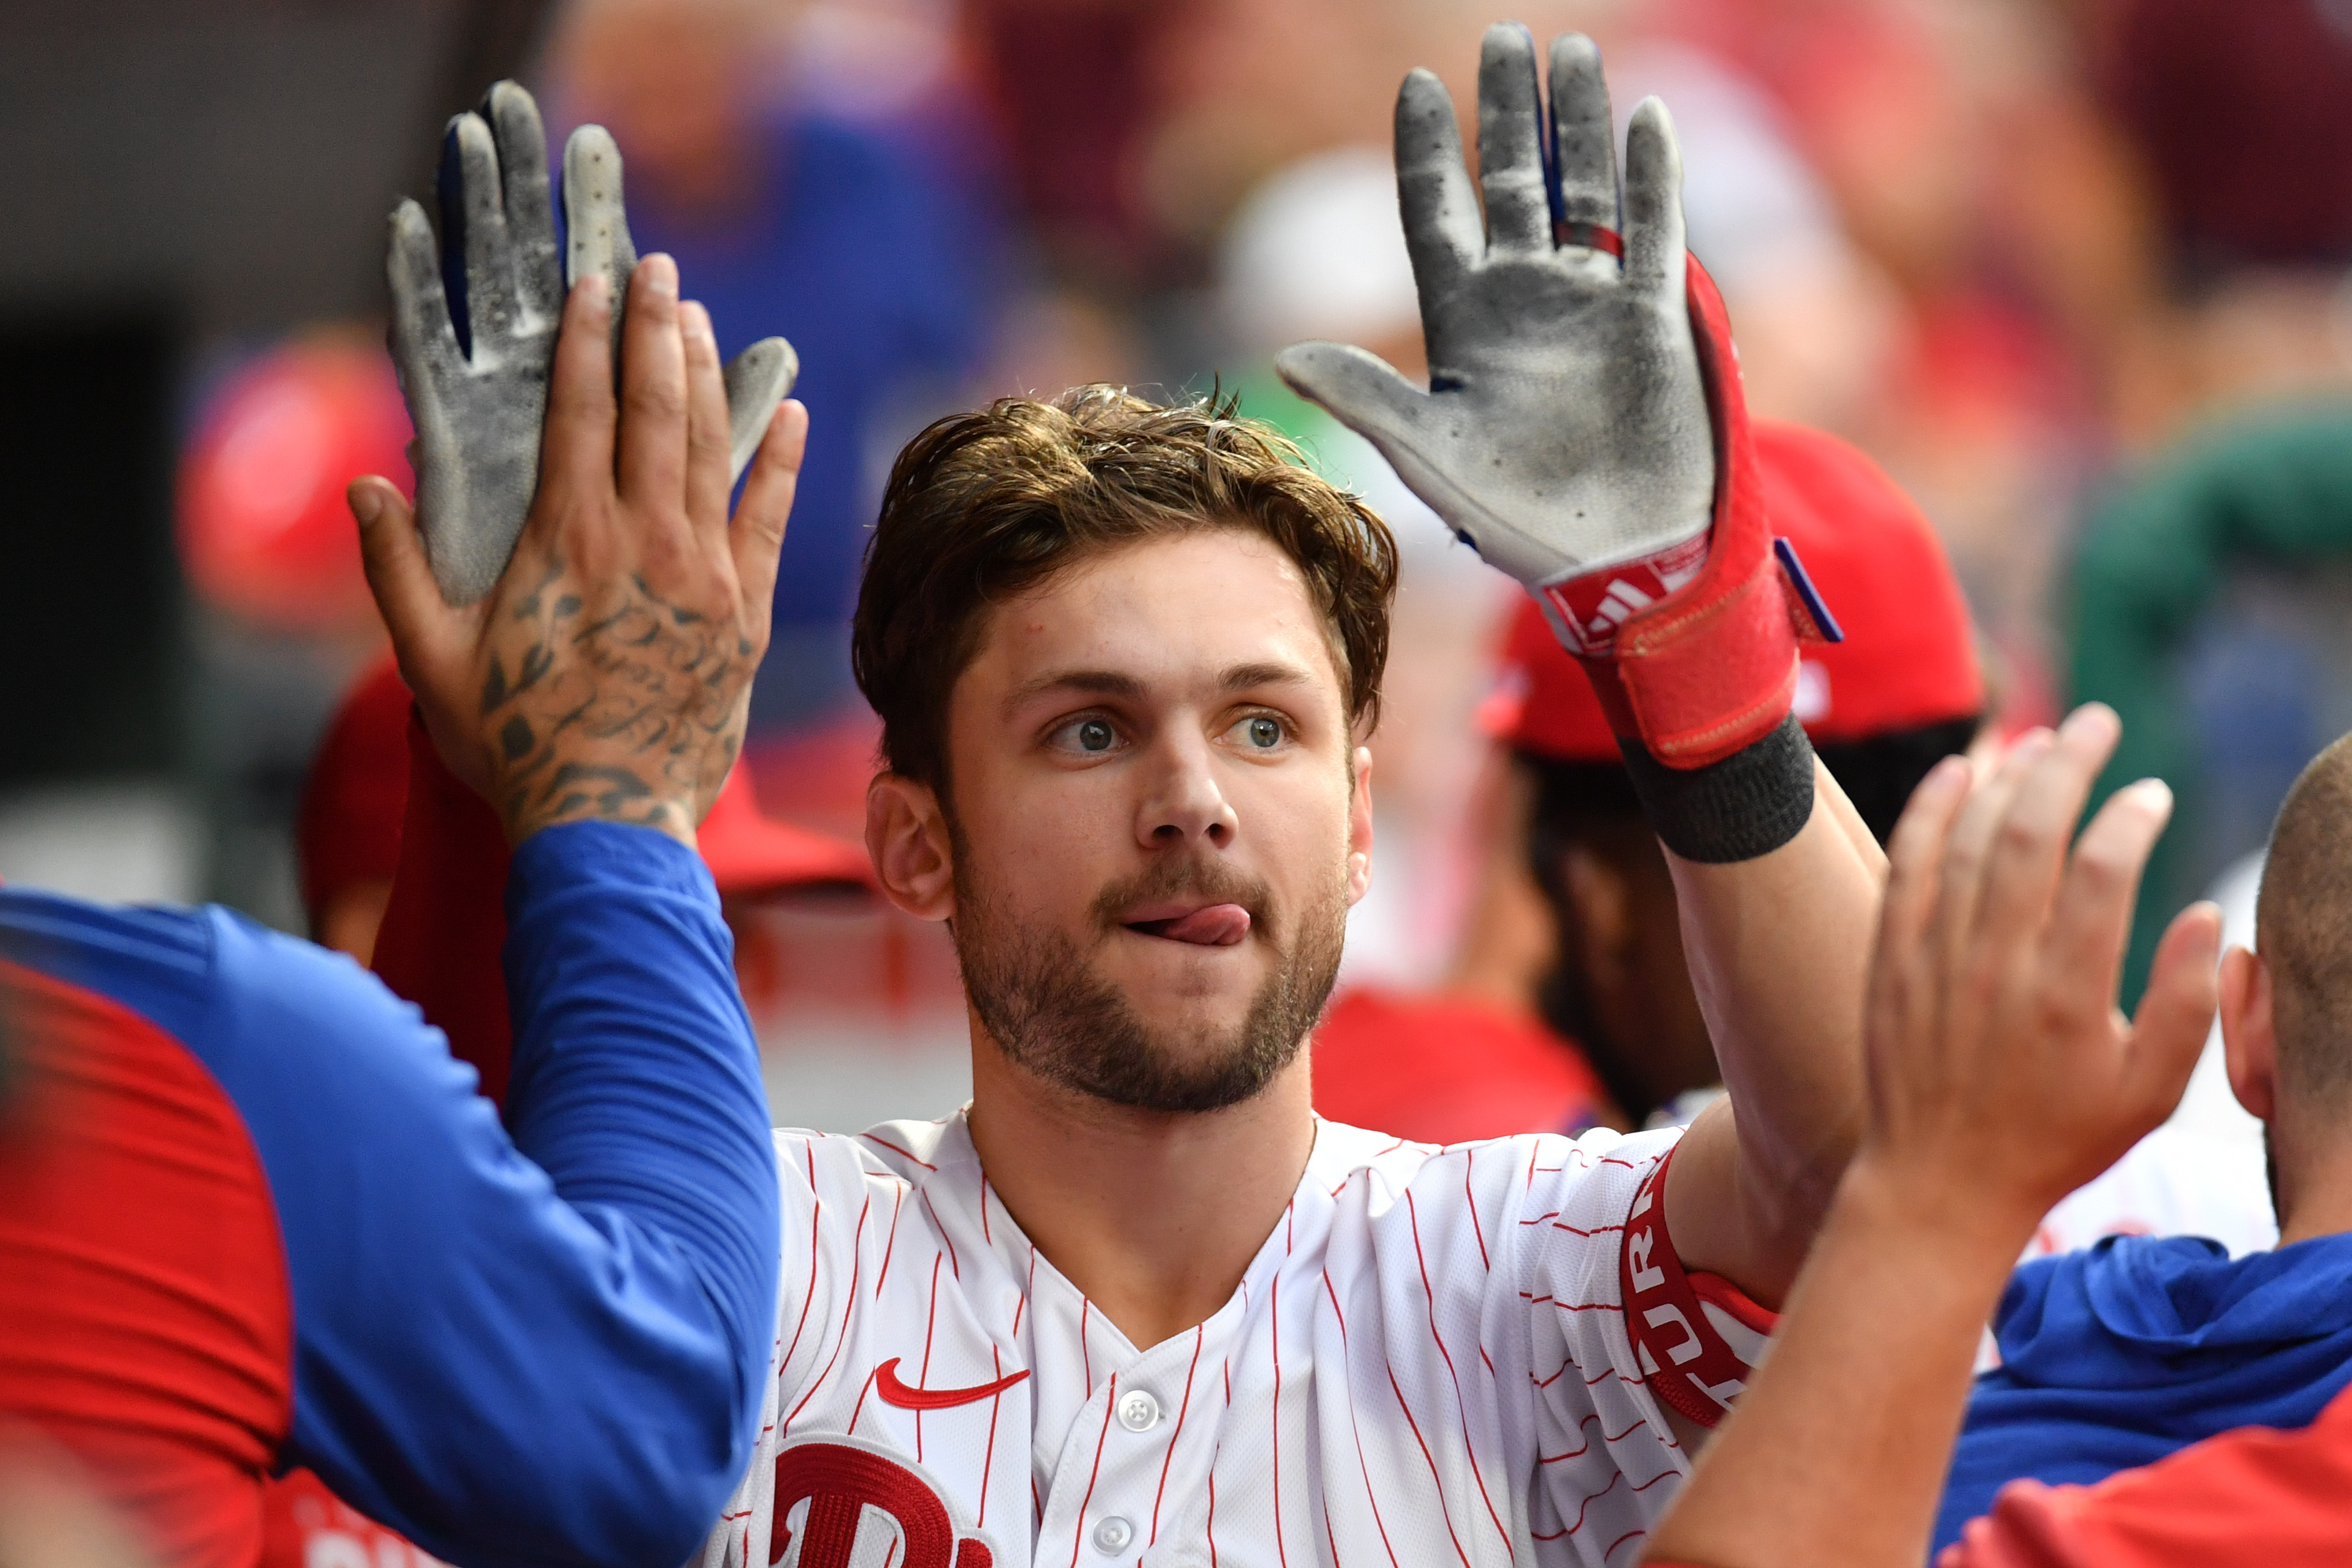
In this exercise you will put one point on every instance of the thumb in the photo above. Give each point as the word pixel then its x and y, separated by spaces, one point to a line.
pixel 2175 1012
pixel 1359 389
pixel 399 576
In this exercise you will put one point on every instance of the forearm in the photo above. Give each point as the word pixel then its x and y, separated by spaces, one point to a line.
pixel 1778 950
pixel 1837 1450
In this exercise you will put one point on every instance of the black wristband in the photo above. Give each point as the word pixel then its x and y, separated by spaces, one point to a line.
pixel 1749 804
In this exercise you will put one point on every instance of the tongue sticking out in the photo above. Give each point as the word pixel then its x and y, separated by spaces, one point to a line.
pixel 1219 925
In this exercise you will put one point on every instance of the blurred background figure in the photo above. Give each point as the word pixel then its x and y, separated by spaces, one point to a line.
pixel 2071 274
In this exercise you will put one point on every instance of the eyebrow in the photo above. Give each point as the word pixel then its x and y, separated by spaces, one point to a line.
pixel 1113 683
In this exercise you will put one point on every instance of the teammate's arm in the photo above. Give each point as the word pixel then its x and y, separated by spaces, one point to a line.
pixel 1584 429
pixel 2001 1077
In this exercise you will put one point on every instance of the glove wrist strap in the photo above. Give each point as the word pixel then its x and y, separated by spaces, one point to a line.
pixel 1747 805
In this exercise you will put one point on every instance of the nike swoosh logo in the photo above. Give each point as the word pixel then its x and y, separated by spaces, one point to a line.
pixel 893 1392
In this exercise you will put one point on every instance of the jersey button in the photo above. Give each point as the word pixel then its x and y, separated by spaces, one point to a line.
pixel 1138 1412
pixel 1112 1535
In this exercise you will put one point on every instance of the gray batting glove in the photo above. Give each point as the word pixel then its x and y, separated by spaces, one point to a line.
pixel 474 325
pixel 1566 426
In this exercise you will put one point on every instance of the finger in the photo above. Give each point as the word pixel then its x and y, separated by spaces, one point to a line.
pixel 424 342
pixel 2175 1012
pixel 759 531
pixel 1510 143
pixel 2082 953
pixel 652 390
pixel 707 437
pixel 595 220
pixel 1653 201
pixel 522 138
pixel 1584 138
pixel 474 220
pixel 1442 228
pixel 1362 390
pixel 576 453
pixel 1901 972
pixel 757 380
pixel 1969 846
pixel 399 576
pixel 2028 853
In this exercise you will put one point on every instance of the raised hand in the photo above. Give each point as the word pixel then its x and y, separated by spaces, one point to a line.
pixel 1566 428
pixel 473 326
pixel 607 672
pixel 2001 1075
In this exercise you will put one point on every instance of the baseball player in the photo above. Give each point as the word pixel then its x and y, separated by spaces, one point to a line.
pixel 1135 1304
pixel 254 1215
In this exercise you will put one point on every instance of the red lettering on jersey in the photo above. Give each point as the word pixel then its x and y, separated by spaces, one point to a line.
pixel 893 1392
pixel 840 1479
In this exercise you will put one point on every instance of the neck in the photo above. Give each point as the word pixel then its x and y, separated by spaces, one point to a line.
pixel 1153 1216
pixel 2312 1185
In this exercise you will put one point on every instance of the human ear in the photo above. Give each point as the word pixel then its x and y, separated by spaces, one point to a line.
pixel 1600 912
pixel 1359 828
pixel 906 836
pixel 2250 1032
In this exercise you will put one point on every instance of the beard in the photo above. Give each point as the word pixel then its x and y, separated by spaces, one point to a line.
pixel 1053 1014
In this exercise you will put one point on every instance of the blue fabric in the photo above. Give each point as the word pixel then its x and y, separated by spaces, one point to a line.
pixel 548 1350
pixel 881 277
pixel 2117 1356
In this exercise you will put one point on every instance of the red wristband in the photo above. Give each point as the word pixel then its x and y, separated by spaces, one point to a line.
pixel 1697 1337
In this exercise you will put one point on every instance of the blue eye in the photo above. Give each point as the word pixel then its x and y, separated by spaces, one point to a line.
pixel 1261 734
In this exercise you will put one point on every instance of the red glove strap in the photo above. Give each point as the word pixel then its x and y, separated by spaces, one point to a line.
pixel 1696 1336
pixel 1712 669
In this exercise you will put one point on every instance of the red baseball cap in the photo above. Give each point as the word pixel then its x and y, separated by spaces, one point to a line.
pixel 1909 654
pixel 357 795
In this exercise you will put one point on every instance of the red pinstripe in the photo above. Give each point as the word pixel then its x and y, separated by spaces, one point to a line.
pixel 1362 1468
pixel 857 1252
pixel 1541 1218
pixel 891 1246
pixel 931 1326
pixel 1444 1509
pixel 1085 1352
pixel 1274 1307
pixel 1028 1287
pixel 1589 1306
pixel 1212 1513
pixel 1088 1501
pixel 1574 1230
pixel 988 1460
pixel 1614 1476
pixel 909 1153
pixel 1555 1535
pixel 1477 1227
pixel 1200 1334
pixel 1469 1449
pixel 859 1408
pixel 985 1234
pixel 1654 1481
pixel 816 1220
pixel 952 1264
pixel 1572 1453
pixel 1629 1535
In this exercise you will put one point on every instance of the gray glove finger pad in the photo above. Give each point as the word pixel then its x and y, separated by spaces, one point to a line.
pixel 757 380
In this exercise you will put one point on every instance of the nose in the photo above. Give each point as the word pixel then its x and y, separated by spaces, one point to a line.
pixel 1184 802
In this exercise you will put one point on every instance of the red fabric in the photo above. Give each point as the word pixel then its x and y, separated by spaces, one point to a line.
pixel 307 1526
pixel 1712 669
pixel 2249 1498
pixel 349 829
pixel 1446 1070
pixel 447 923
pixel 1909 654
pixel 1687 1357
pixel 142 1280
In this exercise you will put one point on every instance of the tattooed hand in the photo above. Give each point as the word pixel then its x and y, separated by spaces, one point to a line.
pixel 607 675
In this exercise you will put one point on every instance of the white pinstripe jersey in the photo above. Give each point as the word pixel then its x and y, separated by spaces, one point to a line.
pixel 1425 1364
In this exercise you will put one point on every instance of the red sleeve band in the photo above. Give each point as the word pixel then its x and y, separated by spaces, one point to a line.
pixel 1697 1337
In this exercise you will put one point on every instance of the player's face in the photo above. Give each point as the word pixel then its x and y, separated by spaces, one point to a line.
pixel 1156 827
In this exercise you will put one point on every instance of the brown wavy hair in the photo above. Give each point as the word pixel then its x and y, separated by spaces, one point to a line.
pixel 983 506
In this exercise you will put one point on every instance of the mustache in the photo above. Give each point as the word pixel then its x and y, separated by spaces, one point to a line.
pixel 1211 881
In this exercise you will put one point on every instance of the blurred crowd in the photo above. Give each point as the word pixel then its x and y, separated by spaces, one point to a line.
pixel 2072 271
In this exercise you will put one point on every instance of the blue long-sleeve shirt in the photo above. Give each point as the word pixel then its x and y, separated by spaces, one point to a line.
pixel 547 1348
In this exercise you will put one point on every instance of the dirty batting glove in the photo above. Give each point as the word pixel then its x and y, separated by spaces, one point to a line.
pixel 474 323
pixel 1584 431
